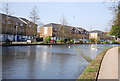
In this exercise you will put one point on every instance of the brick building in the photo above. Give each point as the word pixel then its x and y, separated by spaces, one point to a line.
pixel 16 28
pixel 58 31
pixel 98 35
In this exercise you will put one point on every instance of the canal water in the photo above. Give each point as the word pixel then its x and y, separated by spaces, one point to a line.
pixel 47 61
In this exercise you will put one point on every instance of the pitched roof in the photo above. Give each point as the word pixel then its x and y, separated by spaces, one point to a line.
pixel 59 25
pixel 22 20
pixel 17 19
pixel 26 21
pixel 96 31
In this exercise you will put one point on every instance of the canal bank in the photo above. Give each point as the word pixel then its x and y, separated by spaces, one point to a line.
pixel 93 71
pixel 29 44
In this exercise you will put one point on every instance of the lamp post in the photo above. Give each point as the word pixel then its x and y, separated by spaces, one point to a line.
pixel 16 33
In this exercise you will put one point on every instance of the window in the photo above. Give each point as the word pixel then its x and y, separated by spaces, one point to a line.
pixel 27 25
pixel 45 30
pixel 9 22
pixel 79 32
pixel 3 22
pixel 21 24
pixel 21 30
pixel 30 25
pixel 55 28
pixel 17 24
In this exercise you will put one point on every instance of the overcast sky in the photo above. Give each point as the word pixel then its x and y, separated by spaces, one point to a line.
pixel 88 15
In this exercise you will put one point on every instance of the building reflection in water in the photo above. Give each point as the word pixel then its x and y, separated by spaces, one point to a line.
pixel 93 52
pixel 31 55
pixel 43 56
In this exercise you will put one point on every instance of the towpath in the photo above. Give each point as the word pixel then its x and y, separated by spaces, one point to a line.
pixel 109 68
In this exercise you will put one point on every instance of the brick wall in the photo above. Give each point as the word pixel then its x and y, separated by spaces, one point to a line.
pixel 10 24
pixel 48 31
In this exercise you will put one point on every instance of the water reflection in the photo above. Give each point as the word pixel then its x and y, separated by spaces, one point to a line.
pixel 46 62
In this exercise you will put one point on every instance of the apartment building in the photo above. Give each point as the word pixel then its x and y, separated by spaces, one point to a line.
pixel 16 28
pixel 58 31
pixel 98 35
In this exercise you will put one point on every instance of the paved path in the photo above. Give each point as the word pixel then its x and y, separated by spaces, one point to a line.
pixel 109 66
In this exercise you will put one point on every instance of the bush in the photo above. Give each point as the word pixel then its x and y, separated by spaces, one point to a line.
pixel 39 39
pixel 7 41
pixel 58 41
pixel 47 39
pixel 115 42
pixel 105 42
pixel 98 42
pixel 119 42
pixel 68 42
pixel 62 40
pixel 71 41
pixel 80 41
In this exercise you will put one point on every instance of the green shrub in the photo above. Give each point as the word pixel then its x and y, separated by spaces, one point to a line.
pixel 7 42
pixel 71 41
pixel 47 39
pixel 114 42
pixel 80 41
pixel 98 42
pixel 62 40
pixel 68 42
pixel 119 42
pixel 105 42
pixel 58 41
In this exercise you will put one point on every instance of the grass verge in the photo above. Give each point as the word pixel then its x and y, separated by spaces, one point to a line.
pixel 92 70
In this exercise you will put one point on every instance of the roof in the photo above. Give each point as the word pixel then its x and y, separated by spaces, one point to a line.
pixel 80 29
pixel 56 25
pixel 26 21
pixel 96 31
pixel 50 24
pixel 7 15
pixel 59 25
pixel 17 19
pixel 99 32
pixel 22 20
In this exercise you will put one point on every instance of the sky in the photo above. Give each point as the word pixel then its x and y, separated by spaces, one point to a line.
pixel 88 15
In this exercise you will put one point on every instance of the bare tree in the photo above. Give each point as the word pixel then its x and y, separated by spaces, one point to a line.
pixel 34 15
pixel 63 20
pixel 7 10
pixel 63 24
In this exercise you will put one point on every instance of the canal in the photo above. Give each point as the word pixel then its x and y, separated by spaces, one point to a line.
pixel 47 61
